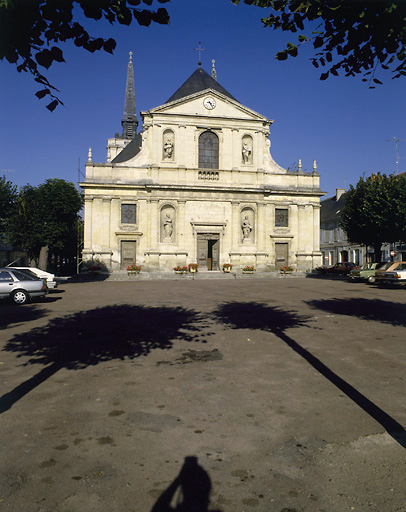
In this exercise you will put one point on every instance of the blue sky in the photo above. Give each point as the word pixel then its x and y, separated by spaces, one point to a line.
pixel 339 122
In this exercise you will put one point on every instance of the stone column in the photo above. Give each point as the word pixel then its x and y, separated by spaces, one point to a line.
pixel 97 224
pixel 153 229
pixel 115 216
pixel 181 235
pixel 236 149
pixel 142 223
pixel 88 242
pixel 260 231
pixel 316 228
pixel 106 223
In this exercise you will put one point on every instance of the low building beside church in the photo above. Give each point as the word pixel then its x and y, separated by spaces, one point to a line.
pixel 198 185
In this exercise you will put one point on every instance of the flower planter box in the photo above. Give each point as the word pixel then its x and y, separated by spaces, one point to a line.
pixel 248 271
pixel 133 272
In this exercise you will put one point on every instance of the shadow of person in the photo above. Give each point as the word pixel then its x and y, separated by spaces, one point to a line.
pixel 189 492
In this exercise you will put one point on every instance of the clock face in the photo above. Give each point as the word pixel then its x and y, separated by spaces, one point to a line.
pixel 209 103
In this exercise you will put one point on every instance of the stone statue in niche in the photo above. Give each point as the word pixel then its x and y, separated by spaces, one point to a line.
pixel 168 227
pixel 246 152
pixel 246 228
pixel 168 148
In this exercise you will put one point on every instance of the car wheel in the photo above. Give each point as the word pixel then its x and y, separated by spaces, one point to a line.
pixel 20 297
pixel 371 279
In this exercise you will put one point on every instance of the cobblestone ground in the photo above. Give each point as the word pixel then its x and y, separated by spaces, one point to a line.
pixel 284 395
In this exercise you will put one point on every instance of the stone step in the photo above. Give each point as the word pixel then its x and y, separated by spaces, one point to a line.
pixel 142 276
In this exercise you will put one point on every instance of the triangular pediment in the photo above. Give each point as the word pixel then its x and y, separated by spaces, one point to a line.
pixel 196 104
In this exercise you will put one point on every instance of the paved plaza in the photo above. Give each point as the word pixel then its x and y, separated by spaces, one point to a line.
pixel 238 395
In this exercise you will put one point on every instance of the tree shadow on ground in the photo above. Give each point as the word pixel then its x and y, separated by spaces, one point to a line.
pixel 367 309
pixel 87 338
pixel 252 315
pixel 189 492
pixel 12 314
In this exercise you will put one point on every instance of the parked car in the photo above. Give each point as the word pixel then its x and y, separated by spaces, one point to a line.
pixel 395 274
pixel 343 268
pixel 367 271
pixel 50 278
pixel 20 286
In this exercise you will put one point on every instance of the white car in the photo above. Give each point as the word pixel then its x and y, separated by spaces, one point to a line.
pixel 50 278
pixel 396 273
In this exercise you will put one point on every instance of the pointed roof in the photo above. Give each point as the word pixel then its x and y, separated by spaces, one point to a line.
pixel 129 120
pixel 198 81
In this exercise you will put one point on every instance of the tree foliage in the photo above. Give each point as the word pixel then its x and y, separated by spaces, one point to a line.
pixel 31 31
pixel 46 215
pixel 8 196
pixel 375 211
pixel 354 36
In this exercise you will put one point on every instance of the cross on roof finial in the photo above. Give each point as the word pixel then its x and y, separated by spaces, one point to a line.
pixel 200 50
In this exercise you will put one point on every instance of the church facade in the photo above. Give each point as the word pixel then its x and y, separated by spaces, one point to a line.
pixel 198 184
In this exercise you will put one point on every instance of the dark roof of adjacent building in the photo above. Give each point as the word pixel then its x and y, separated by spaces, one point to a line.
pixel 132 149
pixel 198 81
pixel 330 209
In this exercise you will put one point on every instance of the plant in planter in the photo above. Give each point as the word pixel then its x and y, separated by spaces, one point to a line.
pixel 93 266
pixel 287 269
pixel 193 267
pixel 227 267
pixel 134 269
pixel 180 270
pixel 248 270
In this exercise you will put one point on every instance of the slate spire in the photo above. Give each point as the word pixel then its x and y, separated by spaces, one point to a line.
pixel 129 121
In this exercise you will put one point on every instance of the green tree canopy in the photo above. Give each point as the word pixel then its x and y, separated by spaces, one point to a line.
pixel 356 36
pixel 46 215
pixel 375 211
pixel 8 196
pixel 31 31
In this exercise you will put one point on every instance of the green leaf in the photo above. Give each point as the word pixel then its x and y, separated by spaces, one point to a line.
pixel 42 93
pixel 109 45
pixel 324 76
pixel 52 106
pixel 282 55
pixel 302 38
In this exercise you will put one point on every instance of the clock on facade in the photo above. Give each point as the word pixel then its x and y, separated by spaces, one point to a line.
pixel 209 103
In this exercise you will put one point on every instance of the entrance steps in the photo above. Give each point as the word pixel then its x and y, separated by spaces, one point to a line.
pixel 121 275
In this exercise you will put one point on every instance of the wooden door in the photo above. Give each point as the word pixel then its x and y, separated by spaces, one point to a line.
pixel 281 255
pixel 214 246
pixel 128 253
pixel 202 252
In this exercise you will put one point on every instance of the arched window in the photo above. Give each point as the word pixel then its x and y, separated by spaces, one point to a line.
pixel 208 151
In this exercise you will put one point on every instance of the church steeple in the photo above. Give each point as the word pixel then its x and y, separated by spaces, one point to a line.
pixel 129 120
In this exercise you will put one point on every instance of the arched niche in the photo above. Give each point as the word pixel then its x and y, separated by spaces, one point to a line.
pixel 168 224
pixel 246 149
pixel 247 225
pixel 168 145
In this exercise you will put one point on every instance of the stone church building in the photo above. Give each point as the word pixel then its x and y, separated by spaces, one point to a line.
pixel 198 185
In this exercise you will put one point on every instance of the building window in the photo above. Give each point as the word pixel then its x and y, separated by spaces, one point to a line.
pixel 128 213
pixel 208 151
pixel 281 218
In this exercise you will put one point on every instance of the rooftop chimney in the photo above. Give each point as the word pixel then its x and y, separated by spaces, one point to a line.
pixel 339 193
